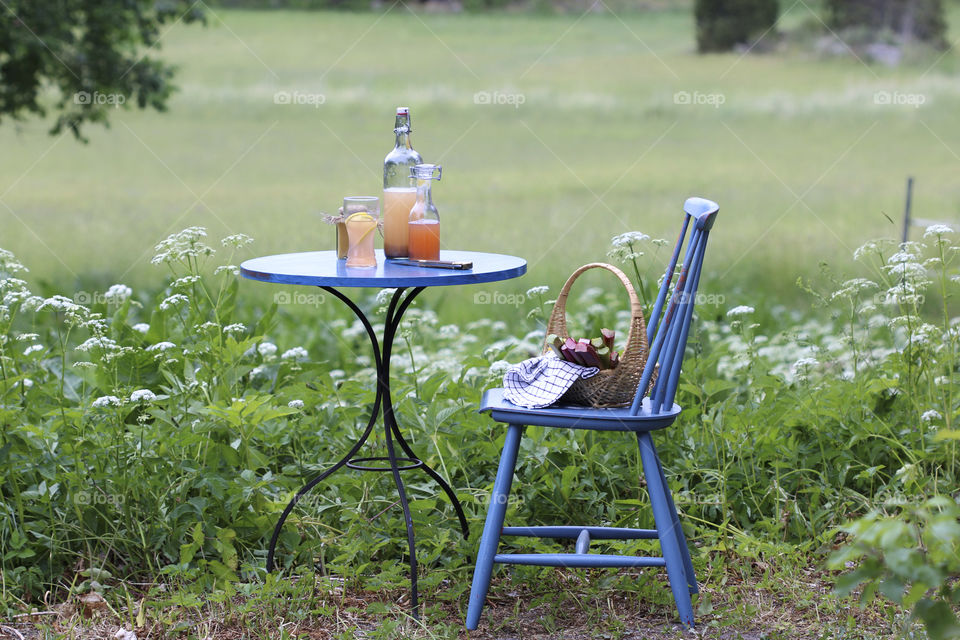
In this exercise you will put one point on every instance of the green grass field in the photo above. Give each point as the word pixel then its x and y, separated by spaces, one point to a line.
pixel 803 161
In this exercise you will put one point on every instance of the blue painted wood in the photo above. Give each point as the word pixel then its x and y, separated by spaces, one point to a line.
pixel 668 329
pixel 323 269
pixel 491 528
pixel 577 561
pixel 583 542
pixel 597 533
pixel 571 417
pixel 664 519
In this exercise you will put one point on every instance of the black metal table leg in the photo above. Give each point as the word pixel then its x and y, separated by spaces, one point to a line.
pixel 382 405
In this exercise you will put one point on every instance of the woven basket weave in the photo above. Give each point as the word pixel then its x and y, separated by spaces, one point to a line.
pixel 611 387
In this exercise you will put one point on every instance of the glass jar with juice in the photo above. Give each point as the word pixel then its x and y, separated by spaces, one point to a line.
pixel 424 219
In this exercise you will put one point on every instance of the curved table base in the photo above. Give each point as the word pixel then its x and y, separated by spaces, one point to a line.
pixel 382 403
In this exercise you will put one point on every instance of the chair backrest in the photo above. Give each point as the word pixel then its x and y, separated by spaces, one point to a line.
pixel 667 329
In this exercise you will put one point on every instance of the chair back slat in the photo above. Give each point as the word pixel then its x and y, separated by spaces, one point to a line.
pixel 654 318
pixel 668 334
pixel 677 310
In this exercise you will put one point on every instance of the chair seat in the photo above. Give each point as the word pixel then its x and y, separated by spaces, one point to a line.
pixel 575 417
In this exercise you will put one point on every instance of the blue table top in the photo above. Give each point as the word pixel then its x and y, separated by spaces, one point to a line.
pixel 323 269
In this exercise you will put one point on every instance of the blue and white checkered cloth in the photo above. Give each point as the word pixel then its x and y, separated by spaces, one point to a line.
pixel 539 382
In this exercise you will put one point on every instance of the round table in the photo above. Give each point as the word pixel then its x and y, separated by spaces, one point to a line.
pixel 323 269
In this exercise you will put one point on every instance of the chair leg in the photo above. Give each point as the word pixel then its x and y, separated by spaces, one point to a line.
pixel 678 529
pixel 663 516
pixel 493 526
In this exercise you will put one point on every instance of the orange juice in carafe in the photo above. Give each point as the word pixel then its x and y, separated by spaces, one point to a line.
pixel 425 239
pixel 424 221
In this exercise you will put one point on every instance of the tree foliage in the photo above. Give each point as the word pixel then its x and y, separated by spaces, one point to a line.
pixel 82 58
pixel 723 24
pixel 907 19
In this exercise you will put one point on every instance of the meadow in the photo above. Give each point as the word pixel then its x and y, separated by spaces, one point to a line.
pixel 156 417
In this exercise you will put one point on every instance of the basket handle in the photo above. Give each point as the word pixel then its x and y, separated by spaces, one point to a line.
pixel 557 324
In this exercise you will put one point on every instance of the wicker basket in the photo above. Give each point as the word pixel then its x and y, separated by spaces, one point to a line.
pixel 610 387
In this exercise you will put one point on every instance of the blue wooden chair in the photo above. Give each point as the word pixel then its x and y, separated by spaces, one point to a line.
pixel 667 334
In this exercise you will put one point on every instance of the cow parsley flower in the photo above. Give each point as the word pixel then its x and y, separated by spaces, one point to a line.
pixel 937 230
pixel 173 301
pixel 118 293
pixel 232 269
pixel 234 328
pixel 182 246
pixel 141 327
pixel 295 404
pixel 33 349
pixel 741 310
pixel 266 349
pixel 98 342
pixel 107 401
pixel 184 282
pixel 537 291
pixel 237 240
pixel 142 395
pixel 161 346
pixel 499 367
pixel 296 353
pixel 931 415
pixel 27 383
pixel 24 337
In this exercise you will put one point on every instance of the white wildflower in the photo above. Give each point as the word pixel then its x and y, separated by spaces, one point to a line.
pixel 266 349
pixel 173 301
pixel 258 371
pixel 295 404
pixel 141 327
pixel 741 310
pixel 97 342
pixel 237 240
pixel 537 291
pixel 59 303
pixel 449 331
pixel 182 246
pixel 499 367
pixel 931 415
pixel 142 395
pixel 804 363
pixel 161 346
pixel 33 349
pixel 296 353
pixel 184 282
pixel 937 230
pixel 118 293
pixel 27 383
pixel 107 401
pixel 24 337
pixel 628 238
pixel 336 374
pixel 384 295
pixel 227 268
pixel 852 288
pixel 234 328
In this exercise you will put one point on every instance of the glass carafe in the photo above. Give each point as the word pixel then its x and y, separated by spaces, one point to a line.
pixel 399 189
pixel 424 219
